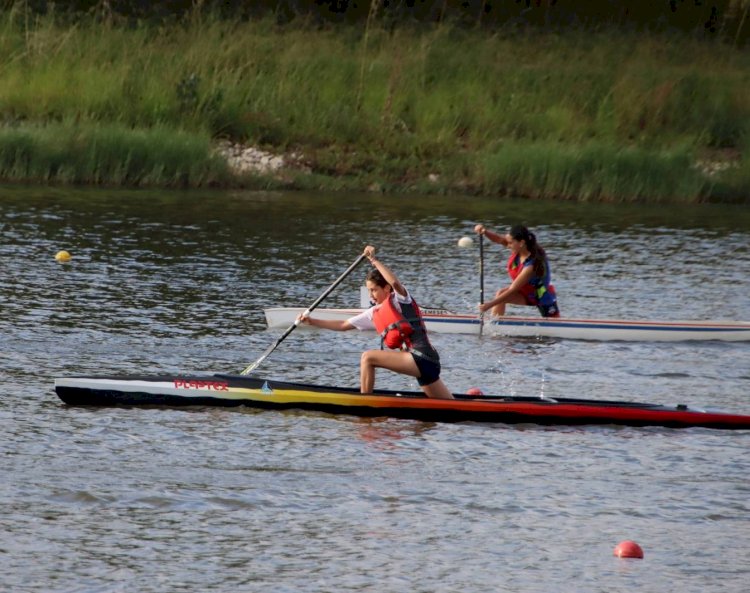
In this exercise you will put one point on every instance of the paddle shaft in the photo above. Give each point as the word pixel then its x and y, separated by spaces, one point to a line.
pixel 481 280
pixel 481 269
pixel 309 310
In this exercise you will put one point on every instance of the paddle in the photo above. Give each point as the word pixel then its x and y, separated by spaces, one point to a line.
pixel 481 280
pixel 291 328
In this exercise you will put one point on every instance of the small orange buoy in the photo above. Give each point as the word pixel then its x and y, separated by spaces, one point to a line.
pixel 628 549
pixel 474 391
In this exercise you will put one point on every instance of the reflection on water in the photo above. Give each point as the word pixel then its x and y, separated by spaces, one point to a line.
pixel 245 500
pixel 385 433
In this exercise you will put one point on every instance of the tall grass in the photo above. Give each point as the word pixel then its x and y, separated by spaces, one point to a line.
pixel 592 172
pixel 108 154
pixel 393 106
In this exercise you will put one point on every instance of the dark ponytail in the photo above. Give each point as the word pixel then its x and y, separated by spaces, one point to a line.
pixel 521 233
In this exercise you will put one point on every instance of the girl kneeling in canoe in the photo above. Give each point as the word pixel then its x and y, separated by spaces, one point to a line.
pixel 397 318
pixel 529 272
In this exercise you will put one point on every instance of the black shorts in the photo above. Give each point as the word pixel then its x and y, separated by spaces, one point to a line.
pixel 549 310
pixel 429 370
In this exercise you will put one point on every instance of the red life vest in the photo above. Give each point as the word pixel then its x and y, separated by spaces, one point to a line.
pixel 514 269
pixel 390 323
pixel 530 291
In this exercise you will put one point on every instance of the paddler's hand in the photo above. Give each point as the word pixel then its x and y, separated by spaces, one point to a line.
pixel 484 307
pixel 302 318
pixel 369 252
pixel 479 229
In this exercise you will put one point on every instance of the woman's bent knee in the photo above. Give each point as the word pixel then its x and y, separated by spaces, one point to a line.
pixel 368 357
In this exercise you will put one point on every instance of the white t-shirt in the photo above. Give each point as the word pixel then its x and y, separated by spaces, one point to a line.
pixel 363 321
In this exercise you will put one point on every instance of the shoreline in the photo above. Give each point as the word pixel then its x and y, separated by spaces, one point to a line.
pixel 110 156
pixel 245 159
pixel 291 169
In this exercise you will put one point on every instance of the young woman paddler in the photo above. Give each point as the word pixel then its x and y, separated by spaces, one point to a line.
pixel 396 317
pixel 529 272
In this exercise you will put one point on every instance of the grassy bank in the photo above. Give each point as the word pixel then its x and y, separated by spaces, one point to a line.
pixel 617 117
pixel 110 155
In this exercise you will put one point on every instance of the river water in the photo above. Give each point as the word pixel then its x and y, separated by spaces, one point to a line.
pixel 109 500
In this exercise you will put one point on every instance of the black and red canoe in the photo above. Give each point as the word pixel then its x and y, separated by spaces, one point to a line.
pixel 243 390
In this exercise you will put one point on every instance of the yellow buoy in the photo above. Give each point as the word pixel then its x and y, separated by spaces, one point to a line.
pixel 62 256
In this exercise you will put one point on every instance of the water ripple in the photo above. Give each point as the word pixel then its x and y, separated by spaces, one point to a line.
pixel 219 500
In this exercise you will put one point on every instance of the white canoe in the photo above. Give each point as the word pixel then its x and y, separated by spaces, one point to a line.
pixel 447 322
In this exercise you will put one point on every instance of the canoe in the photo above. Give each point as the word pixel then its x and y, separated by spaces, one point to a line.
pixel 238 390
pixel 443 321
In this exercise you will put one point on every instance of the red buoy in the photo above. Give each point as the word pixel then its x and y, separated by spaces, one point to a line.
pixel 474 391
pixel 628 549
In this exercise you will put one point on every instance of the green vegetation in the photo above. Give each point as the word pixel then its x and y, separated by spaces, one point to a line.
pixel 108 154
pixel 583 116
